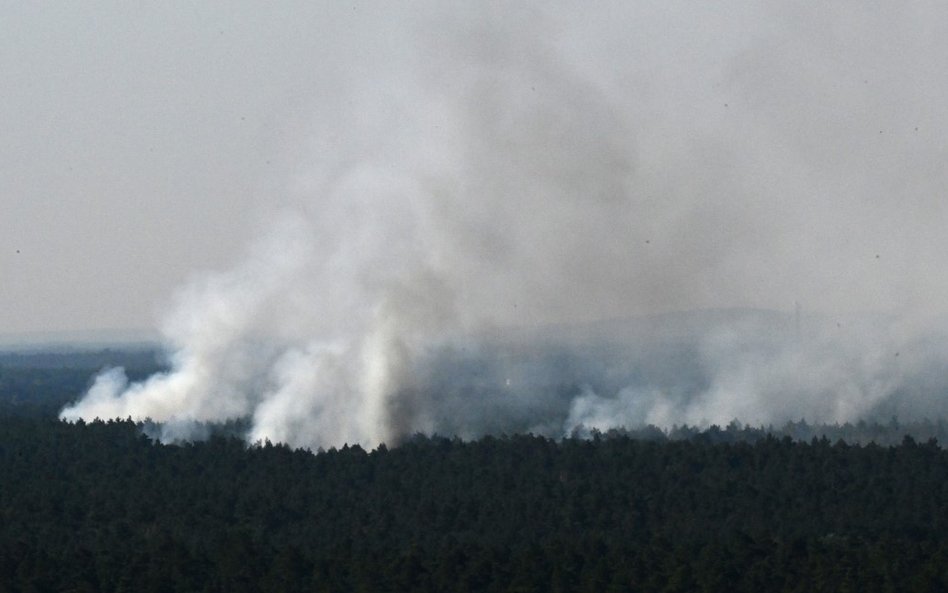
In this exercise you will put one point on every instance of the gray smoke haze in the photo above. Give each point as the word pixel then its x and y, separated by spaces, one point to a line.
pixel 500 208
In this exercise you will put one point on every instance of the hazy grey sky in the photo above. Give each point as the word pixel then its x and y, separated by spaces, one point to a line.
pixel 140 143
pixel 771 149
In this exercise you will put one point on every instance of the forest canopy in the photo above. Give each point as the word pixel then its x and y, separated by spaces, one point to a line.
pixel 102 506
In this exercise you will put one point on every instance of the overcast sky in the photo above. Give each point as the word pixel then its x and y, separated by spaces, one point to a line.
pixel 142 145
pixel 139 144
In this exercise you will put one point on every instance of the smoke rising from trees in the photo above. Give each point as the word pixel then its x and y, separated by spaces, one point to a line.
pixel 499 208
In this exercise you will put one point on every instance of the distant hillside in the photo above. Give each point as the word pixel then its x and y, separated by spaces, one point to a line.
pixel 41 381
pixel 61 341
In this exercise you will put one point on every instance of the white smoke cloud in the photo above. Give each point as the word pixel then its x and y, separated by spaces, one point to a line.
pixel 483 175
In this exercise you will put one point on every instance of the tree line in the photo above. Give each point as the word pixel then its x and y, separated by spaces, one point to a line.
pixel 100 507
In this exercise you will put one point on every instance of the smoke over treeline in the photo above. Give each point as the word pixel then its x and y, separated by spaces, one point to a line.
pixel 500 208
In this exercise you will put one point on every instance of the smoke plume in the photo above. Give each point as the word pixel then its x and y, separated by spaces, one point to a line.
pixel 500 210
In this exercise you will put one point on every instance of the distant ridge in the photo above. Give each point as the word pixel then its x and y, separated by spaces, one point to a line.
pixel 670 325
pixel 79 339
pixel 674 325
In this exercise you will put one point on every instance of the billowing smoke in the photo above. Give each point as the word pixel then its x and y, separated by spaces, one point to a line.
pixel 500 209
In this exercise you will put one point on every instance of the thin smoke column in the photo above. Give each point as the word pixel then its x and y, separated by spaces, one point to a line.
pixel 493 184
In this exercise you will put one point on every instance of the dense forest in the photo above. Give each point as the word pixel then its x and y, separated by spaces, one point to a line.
pixel 100 506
